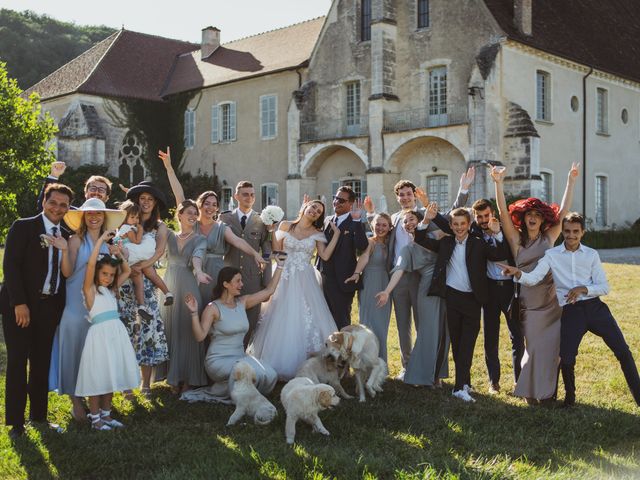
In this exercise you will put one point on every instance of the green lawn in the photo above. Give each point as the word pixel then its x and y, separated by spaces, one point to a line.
pixel 407 433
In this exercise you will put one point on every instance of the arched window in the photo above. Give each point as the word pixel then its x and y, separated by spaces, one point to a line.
pixel 131 170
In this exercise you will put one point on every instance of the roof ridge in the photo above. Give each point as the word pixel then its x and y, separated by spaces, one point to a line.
pixel 274 30
pixel 95 65
pixel 159 36
pixel 86 52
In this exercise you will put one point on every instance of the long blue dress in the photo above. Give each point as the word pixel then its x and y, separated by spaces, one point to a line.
pixel 72 330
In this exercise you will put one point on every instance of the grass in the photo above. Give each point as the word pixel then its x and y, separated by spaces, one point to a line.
pixel 406 433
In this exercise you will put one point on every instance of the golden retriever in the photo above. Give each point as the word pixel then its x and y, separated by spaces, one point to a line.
pixel 247 399
pixel 322 367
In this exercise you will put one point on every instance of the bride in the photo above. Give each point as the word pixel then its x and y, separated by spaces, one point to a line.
pixel 297 320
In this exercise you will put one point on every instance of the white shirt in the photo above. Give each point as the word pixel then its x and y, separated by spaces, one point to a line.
pixel 494 272
pixel 342 218
pixel 457 273
pixel 242 214
pixel 569 270
pixel 48 226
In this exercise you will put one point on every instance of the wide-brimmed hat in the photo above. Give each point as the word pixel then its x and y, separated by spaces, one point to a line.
pixel 549 212
pixel 112 218
pixel 147 187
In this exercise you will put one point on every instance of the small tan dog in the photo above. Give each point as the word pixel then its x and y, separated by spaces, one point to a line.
pixel 302 400
pixel 247 398
pixel 323 367
pixel 359 346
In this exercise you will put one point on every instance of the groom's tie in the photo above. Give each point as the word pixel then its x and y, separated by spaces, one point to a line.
pixel 243 221
pixel 53 282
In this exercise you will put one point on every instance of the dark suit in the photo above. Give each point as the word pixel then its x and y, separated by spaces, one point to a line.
pixel 340 266
pixel 26 265
pixel 500 294
pixel 463 308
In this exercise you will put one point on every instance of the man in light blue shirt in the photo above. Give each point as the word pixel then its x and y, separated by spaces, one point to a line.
pixel 580 281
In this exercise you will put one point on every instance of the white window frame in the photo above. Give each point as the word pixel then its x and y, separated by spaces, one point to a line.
pixel 226 196
pixel 267 186
pixel 437 112
pixel 602 116
pixel 353 106
pixel 598 176
pixel 217 120
pixel 550 193
pixel 268 135
pixel 189 128
pixel 545 103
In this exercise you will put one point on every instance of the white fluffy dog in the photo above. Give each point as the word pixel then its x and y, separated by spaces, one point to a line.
pixel 359 346
pixel 302 400
pixel 324 368
pixel 247 398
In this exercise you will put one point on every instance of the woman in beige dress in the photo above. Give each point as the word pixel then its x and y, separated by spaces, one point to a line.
pixel 531 227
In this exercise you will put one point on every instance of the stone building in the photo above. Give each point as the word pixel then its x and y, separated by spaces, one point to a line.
pixel 380 90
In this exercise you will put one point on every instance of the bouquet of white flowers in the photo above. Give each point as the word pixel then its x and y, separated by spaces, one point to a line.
pixel 271 214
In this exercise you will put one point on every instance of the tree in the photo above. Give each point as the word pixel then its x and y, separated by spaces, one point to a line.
pixel 26 150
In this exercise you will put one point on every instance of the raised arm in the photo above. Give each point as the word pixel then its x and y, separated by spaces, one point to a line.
pixel 363 260
pixel 567 199
pixel 325 251
pixel 57 169
pixel 510 232
pixel 265 294
pixel 88 287
pixel 201 326
pixel 176 188
pixel 125 270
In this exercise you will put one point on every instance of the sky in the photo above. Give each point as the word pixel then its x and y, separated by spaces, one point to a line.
pixel 182 19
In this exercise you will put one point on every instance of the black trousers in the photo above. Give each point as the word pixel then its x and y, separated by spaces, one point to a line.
pixel 594 316
pixel 463 320
pixel 32 344
pixel 339 302
pixel 500 294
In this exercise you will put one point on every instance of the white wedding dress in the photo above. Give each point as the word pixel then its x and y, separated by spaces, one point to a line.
pixel 296 321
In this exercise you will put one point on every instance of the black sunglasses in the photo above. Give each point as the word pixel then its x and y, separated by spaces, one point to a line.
pixel 340 200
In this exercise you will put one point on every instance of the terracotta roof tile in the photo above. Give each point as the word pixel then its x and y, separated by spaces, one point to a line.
pixel 126 65
pixel 267 52
pixel 602 34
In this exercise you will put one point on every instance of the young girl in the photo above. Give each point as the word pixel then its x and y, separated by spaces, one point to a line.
pixel 140 248
pixel 108 362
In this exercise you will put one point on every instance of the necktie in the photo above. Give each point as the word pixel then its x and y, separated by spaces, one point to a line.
pixel 243 221
pixel 53 283
pixel 335 220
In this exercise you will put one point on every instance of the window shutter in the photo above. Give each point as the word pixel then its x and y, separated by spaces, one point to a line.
pixel 232 121
pixel 215 121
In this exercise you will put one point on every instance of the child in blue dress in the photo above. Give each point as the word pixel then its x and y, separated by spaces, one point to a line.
pixel 108 363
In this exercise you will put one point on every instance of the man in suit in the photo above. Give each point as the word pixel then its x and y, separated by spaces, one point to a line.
pixel 96 186
pixel 460 277
pixel 31 302
pixel 405 295
pixel 340 266
pixel 247 224
pixel 500 294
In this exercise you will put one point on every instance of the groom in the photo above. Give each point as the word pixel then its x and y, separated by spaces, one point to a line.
pixel 340 266
pixel 31 302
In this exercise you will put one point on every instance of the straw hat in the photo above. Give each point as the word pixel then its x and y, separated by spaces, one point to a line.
pixel 112 218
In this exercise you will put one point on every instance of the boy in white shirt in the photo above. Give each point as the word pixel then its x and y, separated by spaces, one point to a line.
pixel 580 281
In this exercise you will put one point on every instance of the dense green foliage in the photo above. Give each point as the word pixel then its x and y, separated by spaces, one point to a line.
pixel 33 46
pixel 25 150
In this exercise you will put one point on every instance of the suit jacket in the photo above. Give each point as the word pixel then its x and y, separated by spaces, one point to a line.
pixel 474 230
pixel 343 261
pixel 477 253
pixel 396 218
pixel 26 263
pixel 255 234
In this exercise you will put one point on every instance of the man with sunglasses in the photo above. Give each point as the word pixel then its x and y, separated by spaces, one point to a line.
pixel 340 266
pixel 96 186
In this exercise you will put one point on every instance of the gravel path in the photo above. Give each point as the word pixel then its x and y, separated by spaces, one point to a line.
pixel 621 255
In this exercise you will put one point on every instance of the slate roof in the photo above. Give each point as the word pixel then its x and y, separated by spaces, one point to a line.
pixel 604 34
pixel 276 50
pixel 126 65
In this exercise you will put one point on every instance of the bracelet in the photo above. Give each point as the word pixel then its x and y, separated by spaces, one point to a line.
pixel 357 273
pixel 194 313
pixel 279 267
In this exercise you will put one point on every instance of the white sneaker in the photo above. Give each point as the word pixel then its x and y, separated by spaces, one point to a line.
pixel 463 395
pixel 400 376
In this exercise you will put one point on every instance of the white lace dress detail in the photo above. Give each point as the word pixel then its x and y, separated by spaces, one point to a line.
pixel 297 320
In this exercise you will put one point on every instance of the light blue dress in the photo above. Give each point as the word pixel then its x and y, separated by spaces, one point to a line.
pixel 375 278
pixel 429 357
pixel 213 260
pixel 72 330
pixel 225 350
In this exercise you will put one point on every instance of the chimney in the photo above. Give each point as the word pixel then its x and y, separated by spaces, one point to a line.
pixel 523 16
pixel 210 41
